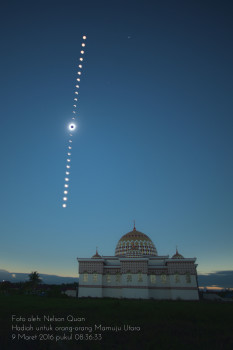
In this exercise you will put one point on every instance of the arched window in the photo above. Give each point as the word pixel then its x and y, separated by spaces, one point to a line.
pixel 140 279
pixel 153 279
pixel 85 277
pixel 163 278
pixel 108 278
pixel 95 277
pixel 177 277
pixel 129 276
pixel 118 277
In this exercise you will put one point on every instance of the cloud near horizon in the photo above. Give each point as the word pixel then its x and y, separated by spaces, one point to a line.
pixel 222 279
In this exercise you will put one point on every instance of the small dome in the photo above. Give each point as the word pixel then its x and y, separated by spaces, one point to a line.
pixel 96 256
pixel 177 255
pixel 135 244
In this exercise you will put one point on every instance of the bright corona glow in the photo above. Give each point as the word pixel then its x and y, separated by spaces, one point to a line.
pixel 64 198
pixel 83 45
pixel 64 205
pixel 81 59
pixel 68 166
pixel 65 192
pixel 82 52
pixel 66 185
pixel 84 37
pixel 72 126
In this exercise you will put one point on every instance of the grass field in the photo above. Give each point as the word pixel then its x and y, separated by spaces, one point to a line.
pixel 163 324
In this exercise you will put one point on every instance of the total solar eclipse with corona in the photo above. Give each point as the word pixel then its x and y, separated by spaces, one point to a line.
pixel 72 127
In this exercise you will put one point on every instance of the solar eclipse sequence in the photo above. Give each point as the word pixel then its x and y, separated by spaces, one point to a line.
pixel 72 126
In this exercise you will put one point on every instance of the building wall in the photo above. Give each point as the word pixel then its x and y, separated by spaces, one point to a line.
pixel 90 291
pixel 160 293
pixel 184 294
pixel 138 278
pixel 90 285
pixel 135 285
pixel 112 292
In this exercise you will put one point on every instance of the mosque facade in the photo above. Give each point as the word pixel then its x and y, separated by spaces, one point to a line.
pixel 137 271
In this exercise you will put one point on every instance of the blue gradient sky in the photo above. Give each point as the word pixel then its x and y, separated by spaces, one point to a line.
pixel 154 141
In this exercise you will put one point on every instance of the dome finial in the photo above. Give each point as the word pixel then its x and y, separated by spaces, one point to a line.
pixel 96 256
pixel 134 228
pixel 177 255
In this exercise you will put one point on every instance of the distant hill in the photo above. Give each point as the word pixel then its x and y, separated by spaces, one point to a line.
pixel 47 279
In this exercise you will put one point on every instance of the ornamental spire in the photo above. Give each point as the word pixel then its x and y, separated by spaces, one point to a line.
pixel 134 228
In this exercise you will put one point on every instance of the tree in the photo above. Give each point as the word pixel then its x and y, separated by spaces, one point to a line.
pixel 34 278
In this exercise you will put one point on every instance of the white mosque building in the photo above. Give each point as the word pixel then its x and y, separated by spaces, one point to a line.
pixel 137 271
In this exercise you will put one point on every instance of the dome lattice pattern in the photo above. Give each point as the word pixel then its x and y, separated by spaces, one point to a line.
pixel 135 244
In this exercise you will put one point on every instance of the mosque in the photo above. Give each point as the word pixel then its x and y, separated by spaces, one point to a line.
pixel 137 271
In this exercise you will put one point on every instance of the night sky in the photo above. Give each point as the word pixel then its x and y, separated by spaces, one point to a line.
pixel 154 140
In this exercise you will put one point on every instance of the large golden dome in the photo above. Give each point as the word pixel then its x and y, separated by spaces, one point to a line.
pixel 135 244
